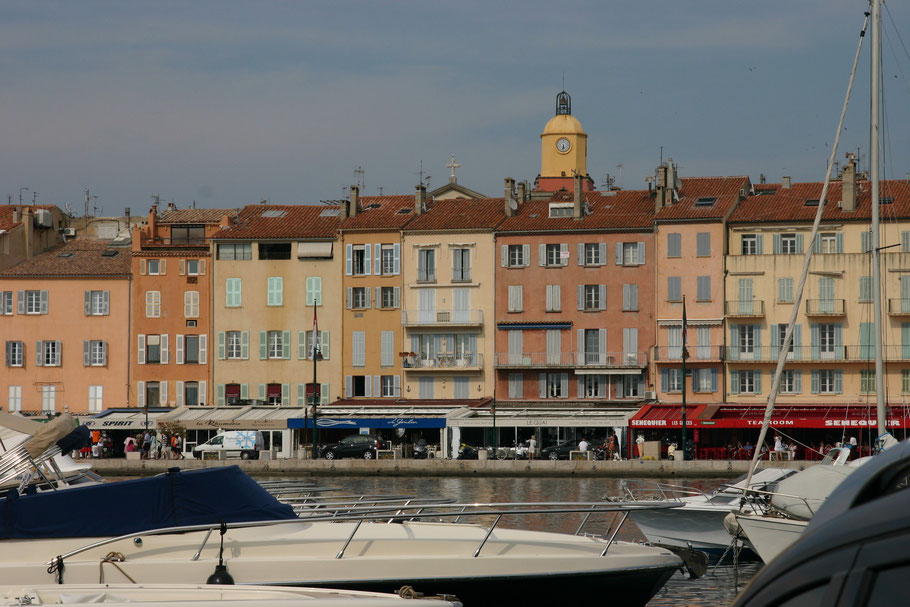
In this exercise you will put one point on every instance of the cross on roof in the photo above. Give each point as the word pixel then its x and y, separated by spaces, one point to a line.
pixel 453 165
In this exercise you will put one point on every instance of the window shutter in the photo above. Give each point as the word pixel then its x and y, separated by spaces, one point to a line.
pixel 734 382
pixel 564 254
pixel 503 257
pixel 396 297
pixel 324 344
pixel 396 386
pixel 88 303
pixel 549 298
pixel 142 266
pixel 713 380
pixel 564 385
pixel 367 263
pixel 542 385
pixel 526 254
pixel 815 382
pixel 286 345
pixel 664 380
pixel 542 254
pixel 838 341
pixel 602 345
pixel 220 390
pixel 140 394
pixel 377 386
pixel 777 245
pixel 163 267
pixel 839 240
pixel 396 258
pixel 263 345
pixel 348 297
pixel 348 259
pixel 140 354
pixel 245 345
pixel 627 297
pixel 348 386
pixel 777 338
pixel 641 253
pixel 815 340
pixel 203 349
pixel 180 400
pixel 757 384
pixel 285 395
pixel 262 395
pixel 44 302
pixel 580 346
pixel 759 244
pixel 164 350
pixel 301 395
pixel 603 297
pixel 104 353
pixel 602 254
pixel 581 297
pixel 377 259
pixel 181 267
pixel 368 293
pixel 905 242
pixel 244 391
pixel 162 400
pixel 797 381
pixel 180 342
pixel 86 353
pixel 201 273
pixel 619 253
pixel 581 254
pixel 734 342
pixel 302 346
pixel 20 302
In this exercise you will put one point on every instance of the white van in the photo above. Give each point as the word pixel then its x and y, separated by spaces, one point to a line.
pixel 245 444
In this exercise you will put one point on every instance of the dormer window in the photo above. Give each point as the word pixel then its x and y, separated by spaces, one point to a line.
pixel 707 201
pixel 560 209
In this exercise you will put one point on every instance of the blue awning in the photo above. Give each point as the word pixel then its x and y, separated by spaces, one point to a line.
pixel 353 423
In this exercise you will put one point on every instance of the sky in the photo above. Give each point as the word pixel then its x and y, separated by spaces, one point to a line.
pixel 227 103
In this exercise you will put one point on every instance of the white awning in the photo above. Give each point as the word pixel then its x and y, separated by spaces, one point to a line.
pixel 530 419
pixel 124 420
pixel 314 249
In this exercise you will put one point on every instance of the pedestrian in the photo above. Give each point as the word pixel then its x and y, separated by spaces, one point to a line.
pixel 153 445
pixel 778 448
pixel 164 451
pixel 146 444
pixel 129 445
pixel 532 448
pixel 176 443
pixel 583 445
pixel 640 445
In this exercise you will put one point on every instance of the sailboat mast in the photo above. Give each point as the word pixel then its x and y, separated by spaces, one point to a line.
pixel 874 178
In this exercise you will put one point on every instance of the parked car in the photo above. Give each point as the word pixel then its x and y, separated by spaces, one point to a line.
pixel 355 445
pixel 245 444
pixel 560 451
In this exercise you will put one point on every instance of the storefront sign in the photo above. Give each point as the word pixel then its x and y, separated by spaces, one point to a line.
pixel 355 423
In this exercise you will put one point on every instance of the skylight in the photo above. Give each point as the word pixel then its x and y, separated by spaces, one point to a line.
pixel 812 202
pixel 65 255
pixel 330 213
pixel 375 205
pixel 705 201
pixel 886 200
pixel 274 213
pixel 404 211
pixel 110 253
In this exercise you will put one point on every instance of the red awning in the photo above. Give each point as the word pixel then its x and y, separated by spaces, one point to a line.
pixel 785 416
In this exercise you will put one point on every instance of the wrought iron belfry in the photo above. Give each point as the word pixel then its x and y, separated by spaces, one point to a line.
pixel 563 104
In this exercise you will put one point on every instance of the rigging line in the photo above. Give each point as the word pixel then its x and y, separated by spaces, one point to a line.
pixel 807 258
pixel 896 29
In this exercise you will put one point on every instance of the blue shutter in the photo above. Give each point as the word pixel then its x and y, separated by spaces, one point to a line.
pixel 734 382
pixel 758 342
pixel 840 243
pixel 713 380
pixel 777 247
pixel 348 259
pixel 757 384
pixel 760 244
pixel 815 339
pixel 797 381
pixel 396 258
pixel 797 341
pixel 838 381
pixel 838 342
pixel 263 345
pixel 664 380
pixel 734 342
pixel 905 340
pixel 799 244
pixel 815 381
pixel 775 340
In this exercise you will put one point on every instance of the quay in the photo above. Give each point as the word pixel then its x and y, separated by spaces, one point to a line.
pixel 634 468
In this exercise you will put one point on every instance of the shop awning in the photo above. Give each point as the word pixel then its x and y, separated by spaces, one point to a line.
pixel 520 418
pixel 233 418
pixel 124 419
pixel 353 423
pixel 751 416
pixel 314 249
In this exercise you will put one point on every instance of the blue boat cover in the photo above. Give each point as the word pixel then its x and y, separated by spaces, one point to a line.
pixel 194 497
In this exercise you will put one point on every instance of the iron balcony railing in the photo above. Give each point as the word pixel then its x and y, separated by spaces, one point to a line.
pixel 899 307
pixel 746 307
pixel 696 353
pixel 826 307
pixel 451 362
pixel 446 318
pixel 796 354
pixel 606 360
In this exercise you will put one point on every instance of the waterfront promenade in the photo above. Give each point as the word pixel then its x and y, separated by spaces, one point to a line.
pixel 440 467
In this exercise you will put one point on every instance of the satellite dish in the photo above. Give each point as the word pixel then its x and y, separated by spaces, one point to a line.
pixel 513 204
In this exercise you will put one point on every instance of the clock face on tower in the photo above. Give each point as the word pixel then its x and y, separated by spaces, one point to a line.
pixel 563 145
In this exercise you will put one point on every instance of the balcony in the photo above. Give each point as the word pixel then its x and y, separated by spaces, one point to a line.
pixel 745 308
pixel 697 354
pixel 571 360
pixel 826 307
pixel 175 242
pixel 442 318
pixel 446 362
pixel 899 307
pixel 769 354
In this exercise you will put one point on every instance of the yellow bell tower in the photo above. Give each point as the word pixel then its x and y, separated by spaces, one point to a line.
pixel 563 149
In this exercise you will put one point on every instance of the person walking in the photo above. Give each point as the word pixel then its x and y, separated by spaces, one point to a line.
pixel 532 447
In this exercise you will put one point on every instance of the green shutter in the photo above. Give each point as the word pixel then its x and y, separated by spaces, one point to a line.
pixel 263 345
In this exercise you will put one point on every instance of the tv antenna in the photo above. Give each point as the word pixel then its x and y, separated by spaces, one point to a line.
pixel 359 177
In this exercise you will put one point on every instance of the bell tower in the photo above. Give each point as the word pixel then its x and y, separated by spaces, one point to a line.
pixel 563 150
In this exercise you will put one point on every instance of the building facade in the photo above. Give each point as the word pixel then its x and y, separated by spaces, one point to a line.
pixel 29 230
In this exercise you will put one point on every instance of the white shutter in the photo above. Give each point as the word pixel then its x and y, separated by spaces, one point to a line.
pixel 348 386
pixel 504 261
pixel 202 392
pixel 396 385
pixel 619 253
pixel 164 351
pixel 396 258
pixel 180 393
pixel 348 259
pixel 140 393
pixel 203 349
pixel 377 259
pixel 367 264
pixel 180 341
pixel 201 273
pixel 542 254
pixel 181 269
pixel 142 266
pixel 162 265
pixel 603 297
pixel 526 254
pixel 163 400
pixel 564 254
pixel 140 355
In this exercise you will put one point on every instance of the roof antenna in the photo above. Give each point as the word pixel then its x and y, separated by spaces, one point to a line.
pixel 661 154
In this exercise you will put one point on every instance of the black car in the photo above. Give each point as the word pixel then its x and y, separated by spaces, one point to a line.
pixel 355 445
pixel 854 551
pixel 560 451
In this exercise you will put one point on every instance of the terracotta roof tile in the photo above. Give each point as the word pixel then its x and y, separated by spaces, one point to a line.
pixel 195 215
pixel 381 213
pixel 460 214
pixel 789 204
pixel 284 221
pixel 620 210
pixel 725 189
pixel 81 257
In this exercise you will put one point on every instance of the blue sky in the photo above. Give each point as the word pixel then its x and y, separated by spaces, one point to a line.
pixel 228 103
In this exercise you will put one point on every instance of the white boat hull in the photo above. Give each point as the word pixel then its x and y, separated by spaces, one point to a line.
pixel 769 536
pixel 701 528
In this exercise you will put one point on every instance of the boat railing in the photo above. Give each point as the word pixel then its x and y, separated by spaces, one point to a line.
pixel 760 500
pixel 638 491
pixel 398 513
pixel 17 463
pixel 306 507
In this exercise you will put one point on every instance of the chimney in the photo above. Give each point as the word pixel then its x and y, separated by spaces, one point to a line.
pixel 171 206
pixel 785 182
pixel 153 221
pixel 578 210
pixel 29 227
pixel 522 191
pixel 420 198
pixel 126 213
pixel 353 203
pixel 662 189
pixel 509 196
pixel 848 185
pixel 15 215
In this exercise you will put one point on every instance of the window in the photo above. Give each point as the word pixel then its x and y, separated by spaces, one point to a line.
pixel 790 382
pixel 633 253
pixel 15 353
pixel 360 296
pixel 359 260
pixel 748 383
pixel 554 298
pixel 594 346
pixel 387 385
pixel 555 387
pixel 313 291
pixel 94 353
pixel 233 293
pixel 275 291
pixel 192 267
pixel 516 385
pixel 153 267
pixel 426 265
pixel 592 298
pixel 551 252
pixel 704 289
pixel 6 303
pixel 188 234
pixel 630 298
pixel 33 302
pixel 747 340
pixel 274 250
pixel 275 344
pixel 95 399
pixel 828 243
pixel 97 303
pixel 595 254
pixel 233 345
pixel 674 245
pixel 865 288
pixel 387 263
pixel 703 350
pixel 867 381
pixel 241 251
pixel 827 381
pixel 674 380
pixel 516 256
pixel 191 393
pixel 307 345
pixel 631 386
pixel 515 298
pixel 674 288
pixel 704 380
pixel 191 304
pixel 358 348
pixel 191 349
pixel 595 386
pixel 48 399
pixel 750 244
pixel 561 210
pixel 785 290
pixel 49 353
pixel 152 349
pixel 461 265
pixel 826 339
pixel 153 304
pixel 788 244
pixel 703 244
pixel 15 399
pixel 905 382
pixel 425 389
